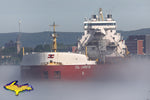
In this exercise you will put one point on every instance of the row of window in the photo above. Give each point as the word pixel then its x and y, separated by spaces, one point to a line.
pixel 97 24
pixel 57 74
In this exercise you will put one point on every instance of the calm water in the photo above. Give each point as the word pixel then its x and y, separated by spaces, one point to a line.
pixel 127 82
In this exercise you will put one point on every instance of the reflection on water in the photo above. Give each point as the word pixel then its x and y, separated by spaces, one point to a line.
pixel 133 84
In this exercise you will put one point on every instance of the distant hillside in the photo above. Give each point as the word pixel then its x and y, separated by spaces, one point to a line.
pixel 125 34
pixel 33 39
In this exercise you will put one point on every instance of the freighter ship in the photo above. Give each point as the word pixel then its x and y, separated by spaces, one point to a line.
pixel 100 41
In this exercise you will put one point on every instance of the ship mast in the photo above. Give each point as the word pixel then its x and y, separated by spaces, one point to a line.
pixel 54 35
pixel 101 14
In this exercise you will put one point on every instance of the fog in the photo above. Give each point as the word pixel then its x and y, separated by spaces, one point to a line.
pixel 127 81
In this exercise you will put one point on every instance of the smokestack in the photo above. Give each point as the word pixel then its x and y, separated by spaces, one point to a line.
pixel 18 38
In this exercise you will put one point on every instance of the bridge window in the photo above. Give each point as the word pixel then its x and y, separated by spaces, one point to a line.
pixel 97 24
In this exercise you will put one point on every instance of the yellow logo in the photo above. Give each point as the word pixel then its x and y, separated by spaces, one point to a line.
pixel 13 86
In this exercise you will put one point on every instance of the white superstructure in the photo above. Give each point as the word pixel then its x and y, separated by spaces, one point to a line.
pixel 55 58
pixel 100 38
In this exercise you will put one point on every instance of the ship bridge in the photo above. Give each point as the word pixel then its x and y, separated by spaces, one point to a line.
pixel 100 38
pixel 99 24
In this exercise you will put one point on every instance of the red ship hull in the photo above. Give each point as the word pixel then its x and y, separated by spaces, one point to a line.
pixel 59 72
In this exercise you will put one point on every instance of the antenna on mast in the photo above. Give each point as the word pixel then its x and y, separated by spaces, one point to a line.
pixel 54 27
pixel 101 14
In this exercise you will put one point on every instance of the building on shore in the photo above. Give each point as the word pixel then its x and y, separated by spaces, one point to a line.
pixel 138 44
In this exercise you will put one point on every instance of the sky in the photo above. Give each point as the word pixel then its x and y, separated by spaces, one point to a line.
pixel 37 15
